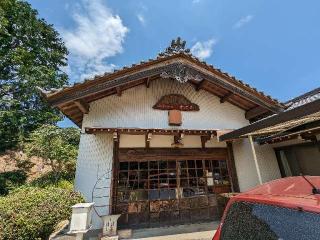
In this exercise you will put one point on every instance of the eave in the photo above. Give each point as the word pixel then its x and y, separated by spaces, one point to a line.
pixel 279 125
pixel 227 87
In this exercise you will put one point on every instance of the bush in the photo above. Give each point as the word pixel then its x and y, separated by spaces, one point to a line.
pixel 31 213
pixel 10 180
pixel 50 179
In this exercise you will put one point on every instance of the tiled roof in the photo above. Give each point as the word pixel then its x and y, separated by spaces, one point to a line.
pixel 177 47
pixel 297 108
pixel 303 99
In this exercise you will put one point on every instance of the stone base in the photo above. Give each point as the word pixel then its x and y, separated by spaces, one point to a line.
pixel 110 238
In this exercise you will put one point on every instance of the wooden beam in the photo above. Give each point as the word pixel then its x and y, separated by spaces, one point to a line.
pixel 123 77
pixel 155 154
pixel 69 107
pixel 77 118
pixel 148 139
pixel 232 168
pixel 119 91
pixel 200 85
pixel 142 131
pixel 255 112
pixel 74 111
pixel 226 97
pixel 148 82
pixel 82 105
pixel 114 177
pixel 204 139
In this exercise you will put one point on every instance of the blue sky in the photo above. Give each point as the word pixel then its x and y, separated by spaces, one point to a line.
pixel 272 45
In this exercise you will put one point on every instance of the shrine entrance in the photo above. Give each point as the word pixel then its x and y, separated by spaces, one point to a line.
pixel 156 187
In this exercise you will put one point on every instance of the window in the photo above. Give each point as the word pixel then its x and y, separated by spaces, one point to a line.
pixel 246 221
pixel 169 190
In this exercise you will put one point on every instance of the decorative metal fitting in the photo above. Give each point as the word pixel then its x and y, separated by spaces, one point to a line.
pixel 181 73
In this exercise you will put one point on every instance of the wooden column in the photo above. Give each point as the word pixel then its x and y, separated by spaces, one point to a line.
pixel 255 159
pixel 232 169
pixel 114 178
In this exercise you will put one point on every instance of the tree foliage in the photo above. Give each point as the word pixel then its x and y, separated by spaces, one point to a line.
pixel 31 54
pixel 56 146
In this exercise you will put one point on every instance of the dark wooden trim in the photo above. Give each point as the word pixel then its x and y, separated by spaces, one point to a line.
pixel 69 107
pixel 255 112
pixel 282 117
pixel 155 131
pixel 226 97
pixel 114 179
pixel 307 131
pixel 119 91
pixel 148 82
pixel 232 168
pixel 82 105
pixel 156 154
pixel 204 139
pixel 200 85
pixel 121 80
pixel 286 147
pixel 175 102
pixel 147 141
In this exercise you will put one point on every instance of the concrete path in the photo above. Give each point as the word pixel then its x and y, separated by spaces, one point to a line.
pixel 205 235
pixel 198 231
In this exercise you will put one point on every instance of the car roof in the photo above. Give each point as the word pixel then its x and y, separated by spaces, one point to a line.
pixel 293 192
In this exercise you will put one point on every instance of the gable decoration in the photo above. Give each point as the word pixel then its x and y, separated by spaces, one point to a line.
pixel 176 102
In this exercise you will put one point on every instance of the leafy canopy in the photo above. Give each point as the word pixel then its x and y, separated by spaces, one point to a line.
pixel 31 54
pixel 56 146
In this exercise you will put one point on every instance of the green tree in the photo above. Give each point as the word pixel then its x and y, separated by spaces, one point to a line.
pixel 31 54
pixel 56 146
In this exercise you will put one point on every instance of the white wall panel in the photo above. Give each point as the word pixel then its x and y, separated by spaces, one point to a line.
pixel 94 160
pixel 132 141
pixel 134 109
pixel 246 169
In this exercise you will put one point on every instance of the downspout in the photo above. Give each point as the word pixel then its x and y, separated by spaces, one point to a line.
pixel 255 158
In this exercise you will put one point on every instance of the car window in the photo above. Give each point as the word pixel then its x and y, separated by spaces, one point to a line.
pixel 245 221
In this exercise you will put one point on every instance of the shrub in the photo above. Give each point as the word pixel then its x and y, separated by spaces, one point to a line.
pixel 31 213
pixel 49 179
pixel 10 180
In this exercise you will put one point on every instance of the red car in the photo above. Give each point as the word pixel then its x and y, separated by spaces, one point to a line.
pixel 283 209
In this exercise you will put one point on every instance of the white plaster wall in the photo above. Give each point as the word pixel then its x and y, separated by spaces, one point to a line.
pixel 134 110
pixel 133 141
pixel 94 160
pixel 164 141
pixel 246 169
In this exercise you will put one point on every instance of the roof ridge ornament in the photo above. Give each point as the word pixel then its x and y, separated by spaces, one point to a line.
pixel 181 73
pixel 177 46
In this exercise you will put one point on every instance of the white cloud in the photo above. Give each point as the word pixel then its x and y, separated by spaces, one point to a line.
pixel 98 34
pixel 203 50
pixel 242 21
pixel 195 1
pixel 141 19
